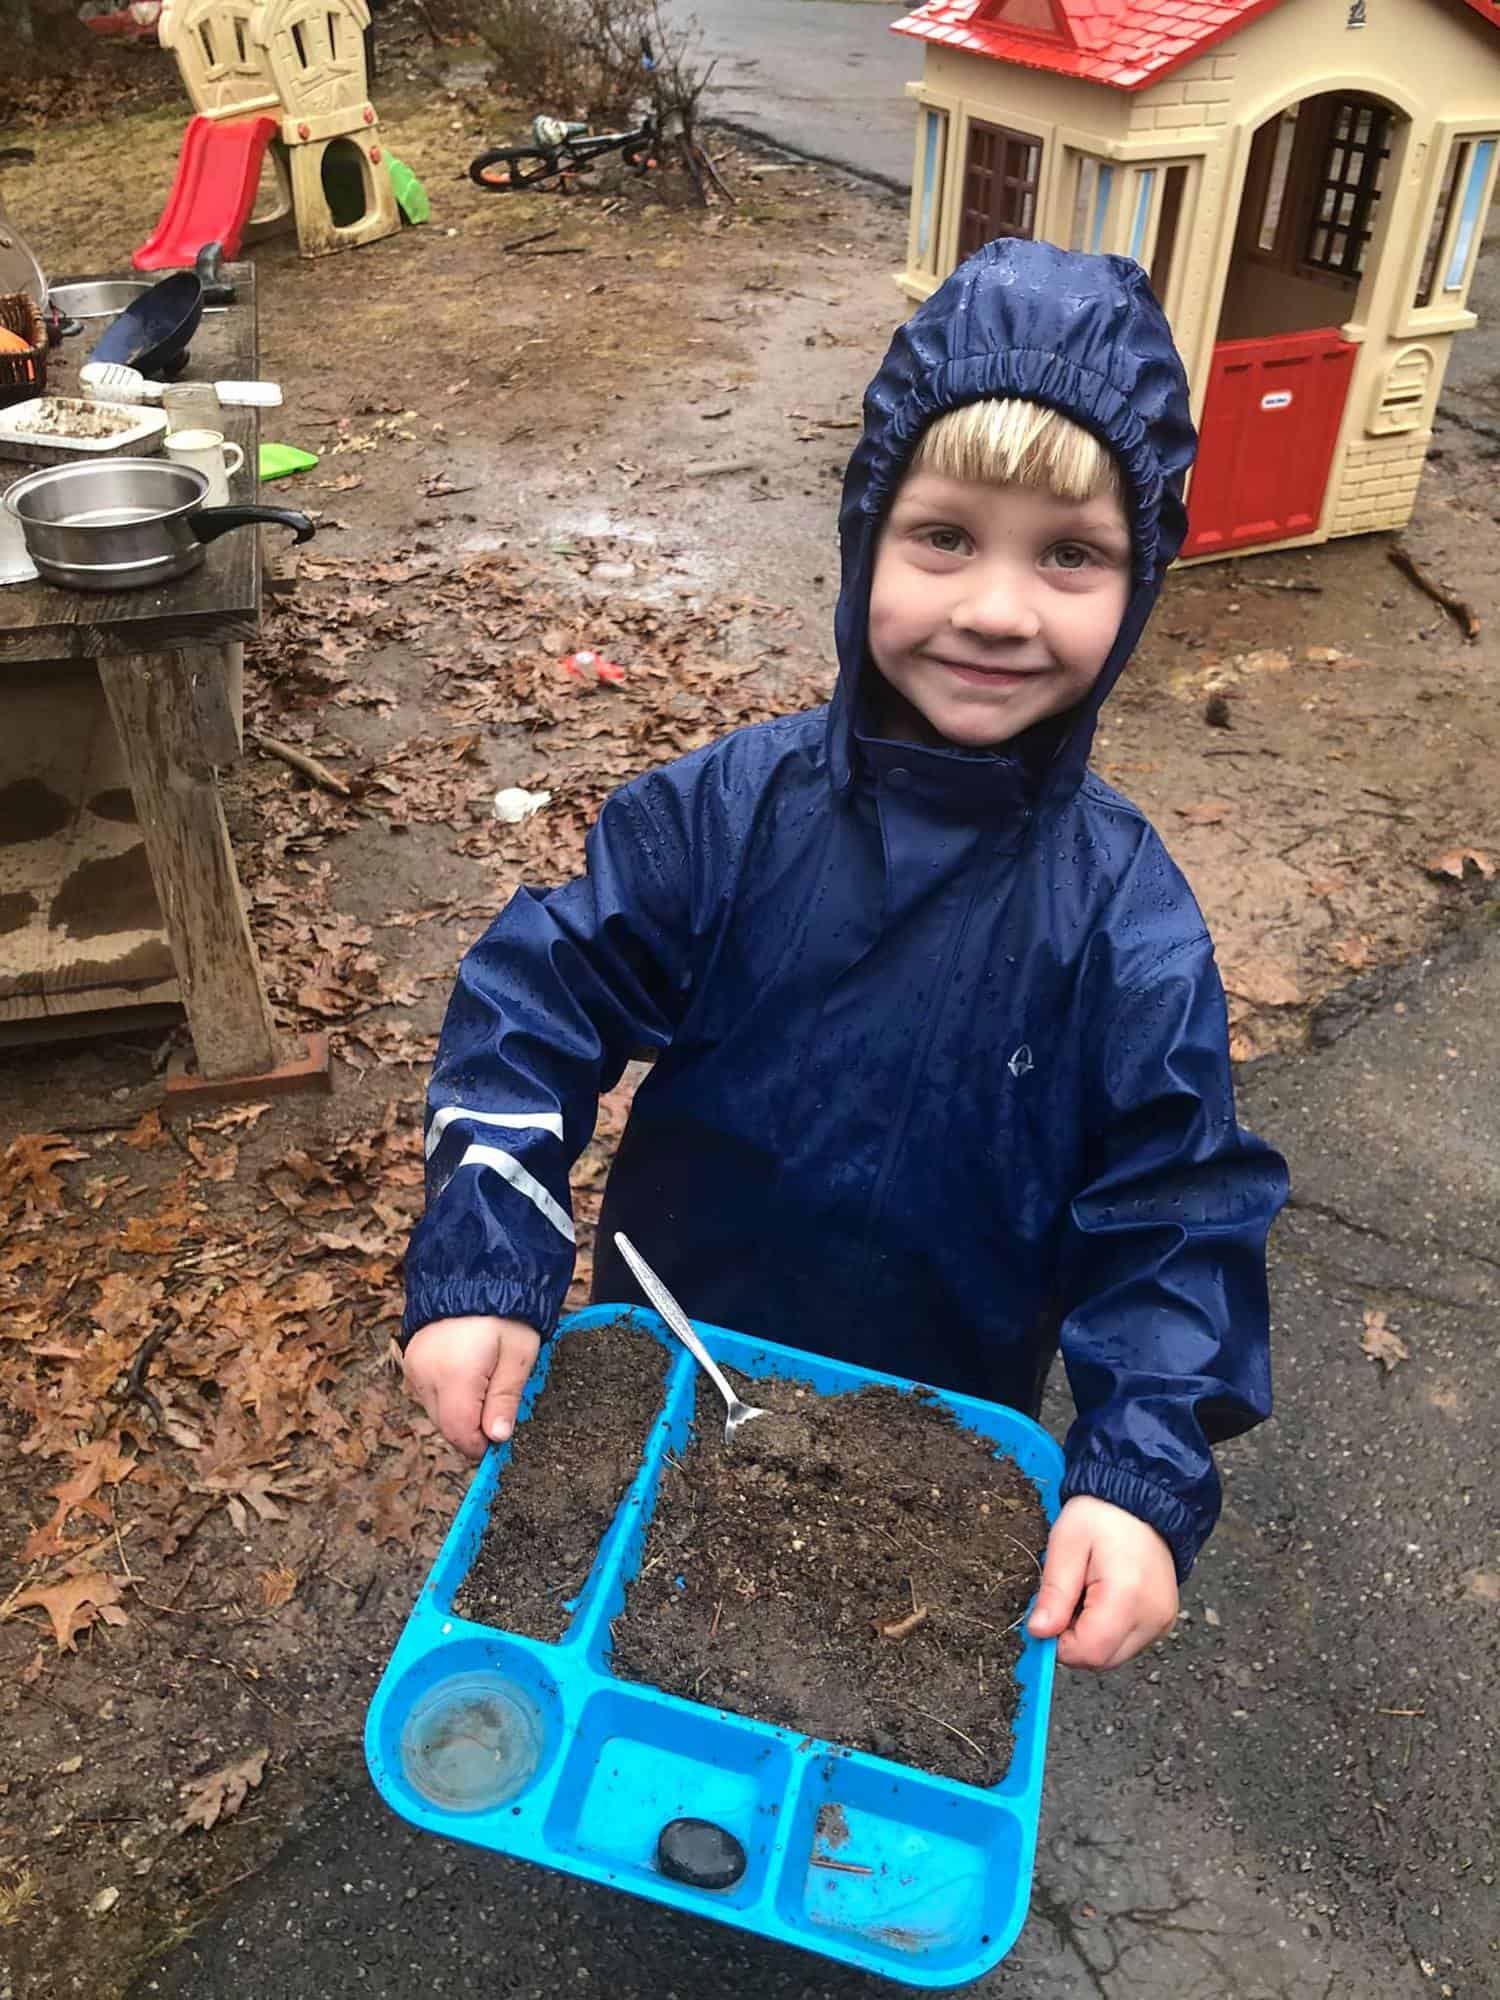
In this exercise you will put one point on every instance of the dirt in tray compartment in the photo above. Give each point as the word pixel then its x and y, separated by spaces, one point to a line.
pixel 572 1460
pixel 850 1567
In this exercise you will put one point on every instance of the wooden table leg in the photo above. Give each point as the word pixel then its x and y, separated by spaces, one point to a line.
pixel 176 726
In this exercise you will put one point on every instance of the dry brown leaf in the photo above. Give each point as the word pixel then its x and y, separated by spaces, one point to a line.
pixel 277 1586
pixel 1355 952
pixel 1382 1343
pixel 221 1794
pixel 1457 861
pixel 1206 812
pixel 73 1604
pixel 27 1164
pixel 147 1134
pixel 1265 982
pixel 1483 1584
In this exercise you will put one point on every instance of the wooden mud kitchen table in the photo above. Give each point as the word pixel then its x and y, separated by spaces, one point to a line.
pixel 118 711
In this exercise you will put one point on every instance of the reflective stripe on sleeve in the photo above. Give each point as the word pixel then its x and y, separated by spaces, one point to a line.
pixel 509 1168
pixel 513 1121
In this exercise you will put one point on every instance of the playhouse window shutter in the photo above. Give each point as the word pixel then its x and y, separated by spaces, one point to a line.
pixel 1348 186
pixel 1000 186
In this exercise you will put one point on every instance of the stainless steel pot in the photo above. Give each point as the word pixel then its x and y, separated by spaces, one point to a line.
pixel 124 523
pixel 100 298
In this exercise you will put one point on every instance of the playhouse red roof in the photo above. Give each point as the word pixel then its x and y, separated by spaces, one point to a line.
pixel 1127 43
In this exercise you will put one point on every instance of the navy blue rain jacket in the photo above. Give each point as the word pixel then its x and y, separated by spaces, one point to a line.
pixel 941 1066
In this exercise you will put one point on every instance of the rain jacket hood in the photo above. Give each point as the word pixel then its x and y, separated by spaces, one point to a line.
pixel 1083 335
pixel 940 1074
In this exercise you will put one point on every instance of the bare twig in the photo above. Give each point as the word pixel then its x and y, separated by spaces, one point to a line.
pixel 840 1867
pixel 952 1728
pixel 1461 611
pixel 133 1387
pixel 718 468
pixel 300 761
pixel 524 242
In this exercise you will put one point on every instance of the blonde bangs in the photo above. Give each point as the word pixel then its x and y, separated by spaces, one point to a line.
pixel 1005 441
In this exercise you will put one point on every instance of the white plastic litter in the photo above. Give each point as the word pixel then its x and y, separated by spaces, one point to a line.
pixel 515 804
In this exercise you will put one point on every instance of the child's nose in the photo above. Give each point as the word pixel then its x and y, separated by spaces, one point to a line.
pixel 997 606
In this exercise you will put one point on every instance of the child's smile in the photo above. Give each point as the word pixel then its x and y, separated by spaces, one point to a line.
pixel 992 607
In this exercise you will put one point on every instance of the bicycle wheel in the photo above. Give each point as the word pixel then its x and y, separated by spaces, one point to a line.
pixel 506 167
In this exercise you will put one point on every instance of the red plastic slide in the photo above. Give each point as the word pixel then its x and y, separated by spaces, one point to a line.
pixel 218 173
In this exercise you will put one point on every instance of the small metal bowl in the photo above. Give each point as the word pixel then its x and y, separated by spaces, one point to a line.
pixel 101 299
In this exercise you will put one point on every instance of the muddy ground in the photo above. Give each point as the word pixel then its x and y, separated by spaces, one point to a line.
pixel 206 1556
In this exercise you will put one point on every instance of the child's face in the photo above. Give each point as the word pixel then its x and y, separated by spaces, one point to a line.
pixel 993 607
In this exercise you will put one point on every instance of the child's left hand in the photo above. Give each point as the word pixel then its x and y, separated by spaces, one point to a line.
pixel 1109 1585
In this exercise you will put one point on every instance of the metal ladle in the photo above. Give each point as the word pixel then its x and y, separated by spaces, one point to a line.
pixel 677 1320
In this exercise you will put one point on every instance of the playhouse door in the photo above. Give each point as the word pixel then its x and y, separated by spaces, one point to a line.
pixel 1270 422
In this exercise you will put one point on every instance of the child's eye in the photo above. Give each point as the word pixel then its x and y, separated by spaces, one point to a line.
pixel 947 541
pixel 1071 555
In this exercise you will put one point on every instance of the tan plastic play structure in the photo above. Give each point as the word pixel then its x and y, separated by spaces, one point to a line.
pixel 1305 182
pixel 304 62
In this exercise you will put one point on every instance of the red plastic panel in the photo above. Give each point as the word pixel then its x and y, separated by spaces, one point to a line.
pixel 1270 422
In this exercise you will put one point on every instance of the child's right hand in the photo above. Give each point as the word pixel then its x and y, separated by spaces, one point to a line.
pixel 468 1375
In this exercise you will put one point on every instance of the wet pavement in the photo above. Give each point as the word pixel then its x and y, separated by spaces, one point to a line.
pixel 825 78
pixel 1293 1796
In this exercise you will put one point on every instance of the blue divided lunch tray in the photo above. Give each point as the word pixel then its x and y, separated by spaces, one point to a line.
pixel 540 1752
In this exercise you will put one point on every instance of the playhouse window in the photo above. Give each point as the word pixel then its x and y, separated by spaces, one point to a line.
pixel 1278 167
pixel 1000 186
pixel 1092 187
pixel 1164 254
pixel 1347 187
pixel 1449 256
pixel 934 144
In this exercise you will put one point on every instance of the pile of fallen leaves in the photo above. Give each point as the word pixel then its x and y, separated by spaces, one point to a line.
pixel 188 1337
pixel 173 1353
pixel 497 636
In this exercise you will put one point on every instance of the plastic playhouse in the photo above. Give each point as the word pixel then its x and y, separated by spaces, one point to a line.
pixel 541 1752
pixel 1305 181
pixel 285 77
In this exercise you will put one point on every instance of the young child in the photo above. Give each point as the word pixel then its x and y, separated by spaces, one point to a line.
pixel 942 1075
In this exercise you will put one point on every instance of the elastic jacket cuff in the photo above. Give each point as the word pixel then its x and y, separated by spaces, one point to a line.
pixel 1176 1523
pixel 460 1299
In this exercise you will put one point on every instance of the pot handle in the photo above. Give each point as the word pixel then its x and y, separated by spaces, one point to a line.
pixel 211 522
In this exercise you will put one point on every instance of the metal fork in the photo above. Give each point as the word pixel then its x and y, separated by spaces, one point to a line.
pixel 677 1320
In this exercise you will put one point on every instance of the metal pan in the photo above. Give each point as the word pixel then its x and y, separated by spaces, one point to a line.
pixel 126 522
pixel 100 298
pixel 152 334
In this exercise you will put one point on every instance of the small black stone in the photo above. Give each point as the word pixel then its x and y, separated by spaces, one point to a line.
pixel 699 1853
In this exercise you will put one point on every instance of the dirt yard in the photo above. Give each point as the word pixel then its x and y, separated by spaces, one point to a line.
pixel 215 1506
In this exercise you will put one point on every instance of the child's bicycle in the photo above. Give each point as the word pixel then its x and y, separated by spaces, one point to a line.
pixel 560 149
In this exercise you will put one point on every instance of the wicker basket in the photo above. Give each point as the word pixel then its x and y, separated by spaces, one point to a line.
pixel 23 375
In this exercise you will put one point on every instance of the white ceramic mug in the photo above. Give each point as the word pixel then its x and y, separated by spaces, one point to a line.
pixel 210 452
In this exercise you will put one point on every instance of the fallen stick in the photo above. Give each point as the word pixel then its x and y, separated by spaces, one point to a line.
pixel 539 236
pixel 132 1387
pixel 718 468
pixel 300 761
pixel 1295 583
pixel 559 250
pixel 1439 593
pixel 841 1867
